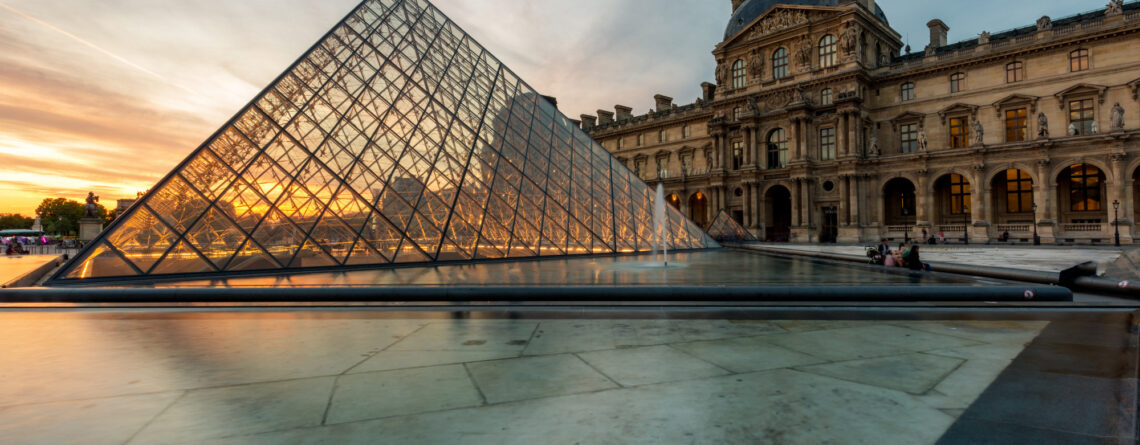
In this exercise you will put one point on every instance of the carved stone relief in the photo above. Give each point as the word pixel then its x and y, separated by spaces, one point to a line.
pixel 777 21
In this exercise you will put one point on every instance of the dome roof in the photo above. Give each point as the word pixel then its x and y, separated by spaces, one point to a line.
pixel 751 9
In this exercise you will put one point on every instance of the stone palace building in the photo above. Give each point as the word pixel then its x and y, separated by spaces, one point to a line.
pixel 822 127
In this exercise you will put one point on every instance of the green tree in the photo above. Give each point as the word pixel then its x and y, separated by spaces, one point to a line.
pixel 62 215
pixel 14 221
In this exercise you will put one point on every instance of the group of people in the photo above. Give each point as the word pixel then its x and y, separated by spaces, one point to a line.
pixel 15 248
pixel 905 256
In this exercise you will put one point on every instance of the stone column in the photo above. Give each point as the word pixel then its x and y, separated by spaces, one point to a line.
pixel 794 150
pixel 753 147
pixel 747 205
pixel 761 215
pixel 844 218
pixel 924 197
pixel 797 204
pixel 807 204
pixel 854 200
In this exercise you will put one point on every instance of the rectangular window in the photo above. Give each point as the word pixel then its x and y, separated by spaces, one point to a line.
pixel 827 144
pixel 1014 72
pixel 662 136
pixel 1018 192
pixel 907 91
pixel 687 164
pixel 737 154
pixel 959 132
pixel 686 132
pixel 908 138
pixel 1081 114
pixel 1079 60
pixel 640 140
pixel 1016 125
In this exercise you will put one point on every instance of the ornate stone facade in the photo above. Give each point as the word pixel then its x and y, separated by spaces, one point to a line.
pixel 836 135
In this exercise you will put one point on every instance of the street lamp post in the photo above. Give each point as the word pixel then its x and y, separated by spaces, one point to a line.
pixel 1116 220
pixel 1036 239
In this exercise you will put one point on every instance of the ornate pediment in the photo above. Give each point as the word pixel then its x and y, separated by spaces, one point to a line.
pixel 1080 89
pixel 1016 99
pixel 907 117
pixel 779 19
pixel 958 109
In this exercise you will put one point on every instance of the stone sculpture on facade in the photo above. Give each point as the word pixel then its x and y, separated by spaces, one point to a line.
pixel 922 141
pixel 979 133
pixel 803 52
pixel 721 73
pixel 1115 7
pixel 777 21
pixel 1117 119
pixel 1095 129
pixel 1042 126
pixel 753 105
pixel 873 147
pixel 1073 129
pixel 1044 23
pixel 849 40
pixel 984 38
pixel 756 64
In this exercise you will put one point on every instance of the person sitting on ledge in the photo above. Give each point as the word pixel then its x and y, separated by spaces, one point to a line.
pixel 911 259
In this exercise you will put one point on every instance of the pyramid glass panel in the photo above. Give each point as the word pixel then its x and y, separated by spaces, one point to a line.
pixel 726 229
pixel 395 139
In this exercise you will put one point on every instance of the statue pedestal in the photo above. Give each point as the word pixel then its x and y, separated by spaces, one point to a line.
pixel 89 228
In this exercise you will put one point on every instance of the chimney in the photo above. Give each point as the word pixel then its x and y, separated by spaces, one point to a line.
pixel 708 91
pixel 663 102
pixel 624 113
pixel 589 122
pixel 869 4
pixel 937 33
pixel 605 117
pixel 736 5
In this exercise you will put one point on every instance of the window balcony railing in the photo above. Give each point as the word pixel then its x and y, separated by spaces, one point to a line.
pixel 1085 228
pixel 951 228
pixel 1014 228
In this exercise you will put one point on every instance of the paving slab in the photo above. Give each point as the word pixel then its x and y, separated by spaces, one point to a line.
pixel 652 364
pixel 534 377
pixel 912 373
pixel 747 354
pixel 411 391
pixel 111 420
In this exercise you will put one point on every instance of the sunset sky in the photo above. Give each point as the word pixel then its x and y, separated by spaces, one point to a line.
pixel 109 95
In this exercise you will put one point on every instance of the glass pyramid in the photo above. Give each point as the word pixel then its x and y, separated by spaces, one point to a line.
pixel 396 139
pixel 724 228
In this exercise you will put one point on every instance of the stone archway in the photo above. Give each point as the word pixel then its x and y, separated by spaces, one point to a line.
pixel 674 201
pixel 899 202
pixel 699 209
pixel 778 213
pixel 1013 201
pixel 1082 199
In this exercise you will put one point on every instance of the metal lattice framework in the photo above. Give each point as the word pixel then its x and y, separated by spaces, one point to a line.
pixel 396 139
pixel 724 228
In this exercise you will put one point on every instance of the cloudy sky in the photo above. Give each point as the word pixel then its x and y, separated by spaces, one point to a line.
pixel 109 95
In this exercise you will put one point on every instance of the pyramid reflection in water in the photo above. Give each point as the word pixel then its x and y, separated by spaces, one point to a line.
pixel 726 229
pixel 396 139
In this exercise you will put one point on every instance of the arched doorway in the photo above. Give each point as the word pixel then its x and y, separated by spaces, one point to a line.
pixel 952 193
pixel 1013 202
pixel 778 211
pixel 674 201
pixel 898 203
pixel 1081 198
pixel 699 209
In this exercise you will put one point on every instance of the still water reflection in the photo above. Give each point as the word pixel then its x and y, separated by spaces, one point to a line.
pixel 716 267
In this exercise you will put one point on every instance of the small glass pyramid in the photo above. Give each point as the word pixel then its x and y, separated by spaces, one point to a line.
pixel 397 139
pixel 726 229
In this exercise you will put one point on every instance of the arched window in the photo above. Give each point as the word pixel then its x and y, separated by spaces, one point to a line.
pixel 1079 60
pixel 827 51
pixel 957 82
pixel 906 91
pixel 825 97
pixel 777 149
pixel 1014 72
pixel 780 63
pixel 959 195
pixel 1018 191
pixel 738 74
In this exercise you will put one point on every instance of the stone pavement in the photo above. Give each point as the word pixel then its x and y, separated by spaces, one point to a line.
pixel 308 377
pixel 13 267
pixel 1127 266
pixel 1043 258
